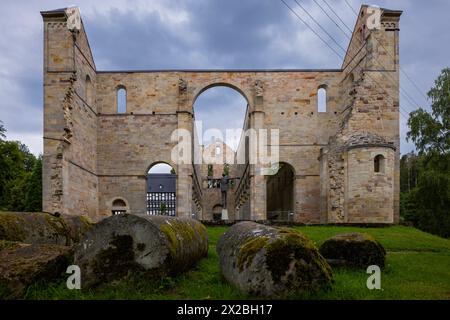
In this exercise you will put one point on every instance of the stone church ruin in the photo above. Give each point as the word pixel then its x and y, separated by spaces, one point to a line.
pixel 104 130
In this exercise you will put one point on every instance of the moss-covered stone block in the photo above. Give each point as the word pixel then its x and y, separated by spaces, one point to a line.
pixel 357 250
pixel 271 262
pixel 22 264
pixel 154 246
pixel 42 228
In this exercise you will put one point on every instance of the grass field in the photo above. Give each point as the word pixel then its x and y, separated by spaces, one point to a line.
pixel 418 267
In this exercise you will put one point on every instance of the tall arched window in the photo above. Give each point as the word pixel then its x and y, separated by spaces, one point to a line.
pixel 322 99
pixel 121 100
pixel 378 164
pixel 89 91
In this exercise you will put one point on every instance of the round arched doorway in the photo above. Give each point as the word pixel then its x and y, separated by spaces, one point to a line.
pixel 280 193
pixel 161 190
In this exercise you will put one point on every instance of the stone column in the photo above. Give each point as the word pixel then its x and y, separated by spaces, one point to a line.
pixel 257 179
pixel 184 168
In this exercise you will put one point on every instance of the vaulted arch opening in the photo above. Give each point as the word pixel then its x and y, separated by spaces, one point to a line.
pixel 220 112
pixel 161 189
pixel 218 108
pixel 119 206
pixel 280 193
pixel 217 212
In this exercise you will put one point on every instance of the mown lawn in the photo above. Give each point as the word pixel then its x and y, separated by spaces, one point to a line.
pixel 418 267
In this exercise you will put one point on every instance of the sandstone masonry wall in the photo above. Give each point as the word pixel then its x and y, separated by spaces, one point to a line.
pixel 94 155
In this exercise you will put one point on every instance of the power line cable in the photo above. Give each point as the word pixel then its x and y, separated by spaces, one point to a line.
pixel 326 43
pixel 320 26
pixel 337 25
pixel 309 27
pixel 350 30
pixel 401 69
pixel 403 91
pixel 350 6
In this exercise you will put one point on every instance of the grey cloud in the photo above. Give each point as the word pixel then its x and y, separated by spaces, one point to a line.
pixel 220 108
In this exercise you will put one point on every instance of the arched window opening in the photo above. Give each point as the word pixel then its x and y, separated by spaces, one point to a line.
pixel 220 113
pixel 217 212
pixel 378 163
pixel 322 100
pixel 121 100
pixel 89 91
pixel 280 194
pixel 119 206
pixel 119 203
pixel 161 190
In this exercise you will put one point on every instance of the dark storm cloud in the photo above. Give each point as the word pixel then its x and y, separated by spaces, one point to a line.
pixel 218 34
pixel 124 40
pixel 204 34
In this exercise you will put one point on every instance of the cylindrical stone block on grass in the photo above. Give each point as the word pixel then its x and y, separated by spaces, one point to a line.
pixel 23 264
pixel 42 228
pixel 271 262
pixel 154 245
pixel 357 250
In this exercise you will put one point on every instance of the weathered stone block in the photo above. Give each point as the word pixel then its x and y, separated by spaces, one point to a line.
pixel 271 262
pixel 354 250
pixel 154 245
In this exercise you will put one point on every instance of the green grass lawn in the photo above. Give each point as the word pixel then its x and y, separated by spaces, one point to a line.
pixel 417 267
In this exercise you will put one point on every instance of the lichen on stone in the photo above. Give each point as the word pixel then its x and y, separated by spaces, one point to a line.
pixel 11 226
pixel 5 244
pixel 86 221
pixel 117 260
pixel 59 225
pixel 249 249
pixel 294 256
pixel 171 236
pixel 181 233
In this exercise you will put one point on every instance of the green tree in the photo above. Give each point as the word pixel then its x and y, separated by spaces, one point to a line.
pixel 14 197
pixel 20 176
pixel 226 169
pixel 430 132
pixel 163 208
pixel 33 192
pixel 210 170
pixel 427 203
pixel 11 168
pixel 409 171
pixel 432 197
pixel 2 131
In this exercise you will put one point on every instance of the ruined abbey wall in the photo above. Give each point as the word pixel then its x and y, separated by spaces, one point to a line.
pixel 94 155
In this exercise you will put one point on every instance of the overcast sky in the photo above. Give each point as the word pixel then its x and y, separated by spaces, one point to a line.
pixel 163 34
